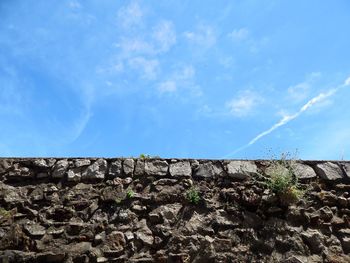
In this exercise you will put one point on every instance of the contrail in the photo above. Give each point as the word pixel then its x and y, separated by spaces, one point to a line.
pixel 289 118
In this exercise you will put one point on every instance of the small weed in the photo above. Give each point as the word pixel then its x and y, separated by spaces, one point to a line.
pixel 4 212
pixel 144 156
pixel 282 181
pixel 130 193
pixel 192 196
pixel 147 156
pixel 280 178
pixel 6 216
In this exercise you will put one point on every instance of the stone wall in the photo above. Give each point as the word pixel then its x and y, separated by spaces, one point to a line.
pixel 157 210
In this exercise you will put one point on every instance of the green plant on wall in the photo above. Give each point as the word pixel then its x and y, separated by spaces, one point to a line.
pixel 192 195
pixel 130 193
pixel 281 180
pixel 147 156
pixel 144 156
pixel 4 212
pixel 5 215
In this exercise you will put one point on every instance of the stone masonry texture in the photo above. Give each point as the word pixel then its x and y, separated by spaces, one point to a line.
pixel 141 210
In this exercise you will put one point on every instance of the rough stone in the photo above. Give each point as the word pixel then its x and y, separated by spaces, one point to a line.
pixel 115 243
pixel 96 171
pixel 346 168
pixel 329 171
pixel 73 175
pixel 156 167
pixel 42 175
pixel 60 169
pixel 241 169
pixel 82 162
pixel 180 169
pixel 129 236
pixel 303 171
pixel 314 239
pixel 55 231
pixel 139 168
pixel 79 248
pixel 115 169
pixel 208 170
pixel 5 165
pixel 166 213
pixel 343 201
pixel 128 167
pixel 295 259
pixel 144 233
pixel 17 173
pixel 51 257
pixel 41 163
pixel 346 244
pixel 12 197
pixel 35 230
pixel 113 193
pixel 37 194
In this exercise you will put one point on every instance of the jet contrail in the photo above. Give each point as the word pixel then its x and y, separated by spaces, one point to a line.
pixel 288 118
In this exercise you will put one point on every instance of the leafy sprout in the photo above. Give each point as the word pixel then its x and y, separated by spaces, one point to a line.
pixel 192 196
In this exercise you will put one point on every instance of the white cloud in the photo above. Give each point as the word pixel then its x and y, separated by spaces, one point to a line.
pixel 302 90
pixel 347 82
pixel 148 67
pixel 251 42
pixel 74 4
pixel 239 34
pixel 181 80
pixel 299 92
pixel 167 86
pixel 130 15
pixel 204 36
pixel 205 109
pixel 141 52
pixel 164 35
pixel 226 61
pixel 244 104
pixel 186 73
pixel 134 46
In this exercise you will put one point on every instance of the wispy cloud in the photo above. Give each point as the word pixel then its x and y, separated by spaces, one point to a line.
pixel 287 118
pixel 131 46
pixel 244 37
pixel 239 34
pixel 138 50
pixel 74 4
pixel 168 86
pixel 149 67
pixel 347 82
pixel 164 35
pixel 182 79
pixel 300 91
pixel 244 103
pixel 130 15
pixel 203 36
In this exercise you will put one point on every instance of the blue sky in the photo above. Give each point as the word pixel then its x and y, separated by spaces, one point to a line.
pixel 191 79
